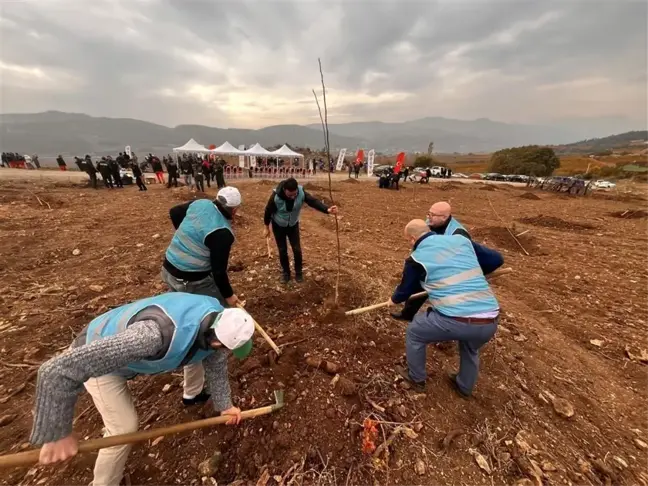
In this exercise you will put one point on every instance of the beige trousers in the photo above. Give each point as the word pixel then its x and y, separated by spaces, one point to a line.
pixel 114 402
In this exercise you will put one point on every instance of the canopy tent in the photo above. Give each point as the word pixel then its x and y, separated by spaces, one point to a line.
pixel 285 151
pixel 226 149
pixel 191 146
pixel 257 151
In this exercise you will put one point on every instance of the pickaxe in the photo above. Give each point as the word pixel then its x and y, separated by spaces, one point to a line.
pixel 30 457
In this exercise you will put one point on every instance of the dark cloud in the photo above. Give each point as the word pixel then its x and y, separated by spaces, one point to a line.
pixel 249 63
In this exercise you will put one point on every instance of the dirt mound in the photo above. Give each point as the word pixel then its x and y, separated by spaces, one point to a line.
pixel 530 195
pixel 488 187
pixel 630 214
pixel 266 183
pixel 325 199
pixel 351 181
pixel 449 186
pixel 499 238
pixel 186 194
pixel 556 223
pixel 309 186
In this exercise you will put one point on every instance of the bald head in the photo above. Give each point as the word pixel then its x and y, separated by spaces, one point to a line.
pixel 415 229
pixel 439 213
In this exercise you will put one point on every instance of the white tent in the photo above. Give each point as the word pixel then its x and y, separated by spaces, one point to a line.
pixel 191 146
pixel 226 149
pixel 257 151
pixel 285 151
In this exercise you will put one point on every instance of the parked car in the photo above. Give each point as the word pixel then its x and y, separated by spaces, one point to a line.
pixel 517 178
pixel 494 176
pixel 377 170
pixel 459 175
pixel 601 184
pixel 475 175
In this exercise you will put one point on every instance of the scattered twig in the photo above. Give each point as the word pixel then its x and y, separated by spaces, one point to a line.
pixel 507 228
pixel 375 405
pixel 39 200
pixel 86 410
pixel 327 147
pixel 523 233
pixel 18 365
pixel 383 447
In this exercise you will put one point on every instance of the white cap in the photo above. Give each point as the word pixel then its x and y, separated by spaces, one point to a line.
pixel 229 197
pixel 234 328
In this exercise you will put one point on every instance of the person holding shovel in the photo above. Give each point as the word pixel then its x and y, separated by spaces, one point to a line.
pixel 464 308
pixel 282 217
pixel 149 336
pixel 196 262
pixel 441 222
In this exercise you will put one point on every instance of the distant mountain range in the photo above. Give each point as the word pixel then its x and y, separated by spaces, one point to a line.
pixel 635 141
pixel 55 132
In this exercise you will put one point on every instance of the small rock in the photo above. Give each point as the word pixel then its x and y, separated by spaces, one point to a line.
pixel 139 245
pixel 547 466
pixel 166 388
pixel 157 441
pixel 96 288
pixel 155 236
pixel 621 463
pixel 641 444
pixel 563 407
pixel 481 461
pixel 519 338
pixel 275 425
pixel 505 457
pixel 577 277
pixel 418 426
pixel 419 467
pixel 523 482
pixel 596 342
pixel 76 252
pixel 402 411
pixel 210 466
pixel 330 413
pixel 7 419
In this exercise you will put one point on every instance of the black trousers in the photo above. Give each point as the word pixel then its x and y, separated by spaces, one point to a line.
pixel 173 177
pixel 117 178
pixel 220 180
pixel 208 178
pixel 412 306
pixel 200 182
pixel 290 233
pixel 140 183
pixel 93 179
pixel 107 179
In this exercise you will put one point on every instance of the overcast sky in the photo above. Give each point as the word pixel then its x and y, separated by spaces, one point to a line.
pixel 254 63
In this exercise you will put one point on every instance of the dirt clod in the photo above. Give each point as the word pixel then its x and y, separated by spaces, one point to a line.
pixel 530 195
pixel 322 364
pixel 346 387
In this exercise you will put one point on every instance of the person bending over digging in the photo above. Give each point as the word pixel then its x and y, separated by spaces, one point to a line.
pixel 464 308
pixel 149 336
pixel 282 217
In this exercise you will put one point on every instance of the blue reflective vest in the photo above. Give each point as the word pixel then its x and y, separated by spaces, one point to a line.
pixel 454 281
pixel 185 313
pixel 282 216
pixel 453 225
pixel 187 251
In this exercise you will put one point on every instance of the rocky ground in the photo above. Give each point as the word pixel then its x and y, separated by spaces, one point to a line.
pixel 562 393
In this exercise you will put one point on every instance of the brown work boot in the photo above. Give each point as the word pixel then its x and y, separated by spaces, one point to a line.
pixel 451 378
pixel 418 386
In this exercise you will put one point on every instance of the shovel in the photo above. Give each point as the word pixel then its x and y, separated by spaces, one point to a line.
pixel 497 273
pixel 30 457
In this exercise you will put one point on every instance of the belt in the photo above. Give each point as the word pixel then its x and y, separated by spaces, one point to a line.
pixel 475 320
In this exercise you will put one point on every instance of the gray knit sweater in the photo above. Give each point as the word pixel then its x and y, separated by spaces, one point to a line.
pixel 61 378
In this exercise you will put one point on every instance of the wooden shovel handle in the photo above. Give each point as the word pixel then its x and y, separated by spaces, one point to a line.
pixel 497 273
pixel 31 457
pixel 264 334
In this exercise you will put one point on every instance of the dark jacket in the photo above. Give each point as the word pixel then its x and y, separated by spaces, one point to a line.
pixel 441 230
pixel 219 243
pixel 271 207
pixel 414 273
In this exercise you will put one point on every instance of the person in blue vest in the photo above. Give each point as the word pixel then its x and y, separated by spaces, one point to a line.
pixel 196 262
pixel 464 308
pixel 146 337
pixel 282 215
pixel 440 221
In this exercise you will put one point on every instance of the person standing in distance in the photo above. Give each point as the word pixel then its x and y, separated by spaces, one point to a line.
pixel 282 215
pixel 196 262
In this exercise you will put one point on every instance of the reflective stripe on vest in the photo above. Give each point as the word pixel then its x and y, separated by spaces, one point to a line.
pixel 187 250
pixel 282 216
pixel 185 313
pixel 453 225
pixel 454 281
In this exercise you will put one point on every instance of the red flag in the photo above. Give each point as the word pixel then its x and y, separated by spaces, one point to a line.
pixel 360 157
pixel 400 160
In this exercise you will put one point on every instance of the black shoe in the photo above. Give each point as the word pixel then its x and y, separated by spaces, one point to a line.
pixel 202 397
pixel 400 316
pixel 299 278
pixel 285 278
pixel 418 386
pixel 452 380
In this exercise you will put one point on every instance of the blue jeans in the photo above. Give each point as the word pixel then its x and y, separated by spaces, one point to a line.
pixel 432 327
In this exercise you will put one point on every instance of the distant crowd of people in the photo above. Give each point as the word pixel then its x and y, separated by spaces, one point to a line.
pixel 11 159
